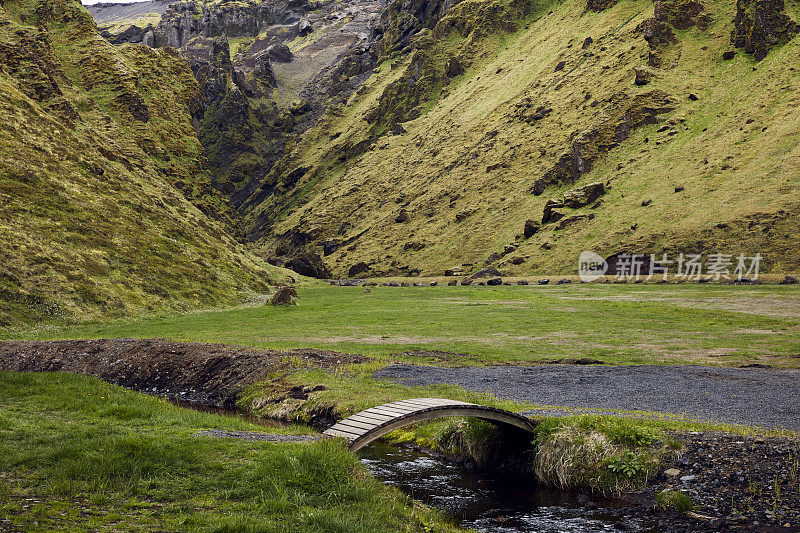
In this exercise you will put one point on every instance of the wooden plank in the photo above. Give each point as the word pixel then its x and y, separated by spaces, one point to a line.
pixel 357 424
pixel 394 406
pixel 374 419
pixel 336 433
pixel 415 403
pixel 389 411
pixel 346 429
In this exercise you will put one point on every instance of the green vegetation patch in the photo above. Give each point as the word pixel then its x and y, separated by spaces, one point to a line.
pixel 77 454
pixel 618 324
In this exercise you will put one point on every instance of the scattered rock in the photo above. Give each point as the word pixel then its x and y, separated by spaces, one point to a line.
pixel 672 472
pixel 587 42
pixel 688 479
pixel 283 296
pixel 531 228
pixel 509 248
pixel 548 214
pixel 464 214
pixel 280 53
pixel 402 217
pixel 413 245
pixel 646 203
pixel 522 282
pixel 518 260
pixel 564 281
pixel 453 68
pixel 679 188
pixel 495 281
pixel 485 273
pixel 455 271
pixel 728 55
pixel 643 75
pixel 583 196
pixel 693 97
pixel 397 129
pixel 560 66
pixel 494 256
pixel 543 281
pixel 789 280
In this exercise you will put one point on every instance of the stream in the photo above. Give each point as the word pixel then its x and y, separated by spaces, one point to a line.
pixel 482 501
pixel 488 502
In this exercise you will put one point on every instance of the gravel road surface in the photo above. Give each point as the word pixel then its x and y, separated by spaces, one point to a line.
pixel 754 397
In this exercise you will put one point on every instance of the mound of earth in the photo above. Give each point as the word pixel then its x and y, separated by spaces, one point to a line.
pixel 213 374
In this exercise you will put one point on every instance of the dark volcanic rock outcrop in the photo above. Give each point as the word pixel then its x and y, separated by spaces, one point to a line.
pixel 761 25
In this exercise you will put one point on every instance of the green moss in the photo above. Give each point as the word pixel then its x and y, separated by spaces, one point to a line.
pixel 107 203
pixel 675 501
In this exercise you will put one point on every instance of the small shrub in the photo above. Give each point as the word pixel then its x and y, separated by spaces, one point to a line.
pixel 675 500
pixel 627 465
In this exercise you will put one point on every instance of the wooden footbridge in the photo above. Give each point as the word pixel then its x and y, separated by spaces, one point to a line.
pixel 362 428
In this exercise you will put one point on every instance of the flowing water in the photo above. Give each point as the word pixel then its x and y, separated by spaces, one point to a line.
pixel 489 502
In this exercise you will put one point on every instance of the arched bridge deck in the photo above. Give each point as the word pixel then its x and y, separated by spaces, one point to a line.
pixel 362 428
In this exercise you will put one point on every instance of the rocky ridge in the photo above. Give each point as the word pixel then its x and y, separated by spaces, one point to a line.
pixel 414 77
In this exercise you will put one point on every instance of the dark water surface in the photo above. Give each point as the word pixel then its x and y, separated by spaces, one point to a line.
pixel 487 502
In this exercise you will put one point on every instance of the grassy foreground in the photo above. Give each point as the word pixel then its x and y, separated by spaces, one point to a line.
pixel 627 324
pixel 77 454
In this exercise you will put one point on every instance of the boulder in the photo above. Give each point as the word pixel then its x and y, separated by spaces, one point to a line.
pixel 517 260
pixel 280 53
pixel 548 214
pixel 485 273
pixel 455 271
pixel 309 264
pixel 283 296
pixel 453 68
pixel 584 195
pixel 522 282
pixel 531 228
pixel 357 269
pixel 402 216
pixel 643 75
pixel 544 281
pixel 789 280
pixel 495 281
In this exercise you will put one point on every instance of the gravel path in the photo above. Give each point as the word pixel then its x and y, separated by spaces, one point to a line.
pixel 755 397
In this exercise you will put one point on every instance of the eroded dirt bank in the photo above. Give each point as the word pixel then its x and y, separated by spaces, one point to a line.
pixel 213 374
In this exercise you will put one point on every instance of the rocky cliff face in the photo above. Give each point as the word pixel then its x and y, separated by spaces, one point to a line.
pixel 106 206
pixel 267 70
pixel 418 136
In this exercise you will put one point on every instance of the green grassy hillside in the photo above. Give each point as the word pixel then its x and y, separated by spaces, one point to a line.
pixel 105 203
pixel 701 157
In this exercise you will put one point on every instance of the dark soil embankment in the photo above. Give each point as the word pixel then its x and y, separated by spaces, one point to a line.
pixel 213 374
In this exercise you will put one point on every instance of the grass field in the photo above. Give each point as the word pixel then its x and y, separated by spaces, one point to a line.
pixel 78 454
pixel 623 324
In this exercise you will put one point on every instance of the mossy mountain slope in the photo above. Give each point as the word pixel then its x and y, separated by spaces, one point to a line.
pixel 105 200
pixel 684 111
